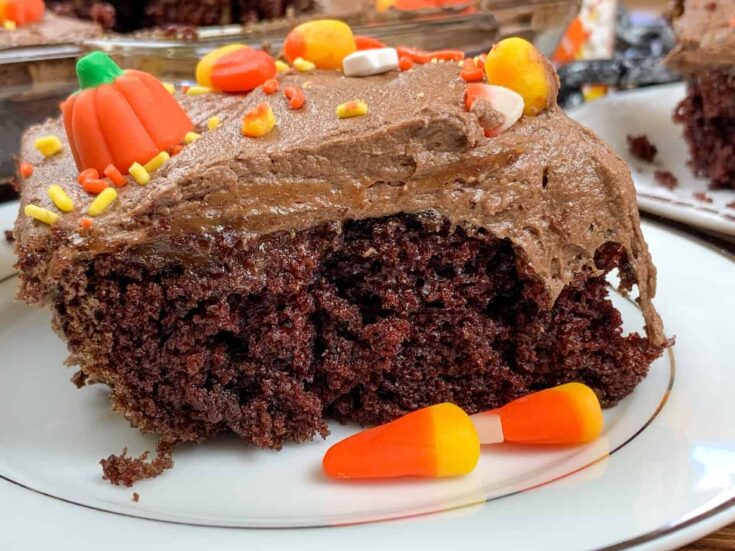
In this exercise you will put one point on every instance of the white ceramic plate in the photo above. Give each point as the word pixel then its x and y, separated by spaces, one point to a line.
pixel 648 111
pixel 663 474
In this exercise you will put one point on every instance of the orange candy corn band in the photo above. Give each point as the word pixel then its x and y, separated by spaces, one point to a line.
pixel 22 12
pixel 433 442
pixel 565 414
pixel 235 68
pixel 119 118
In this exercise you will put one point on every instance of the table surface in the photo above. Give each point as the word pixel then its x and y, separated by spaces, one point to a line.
pixel 724 540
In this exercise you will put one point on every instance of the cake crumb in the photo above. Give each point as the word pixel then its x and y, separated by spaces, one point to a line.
pixel 641 147
pixel 711 6
pixel 731 205
pixel 702 196
pixel 126 470
pixel 9 237
pixel 666 179
pixel 136 497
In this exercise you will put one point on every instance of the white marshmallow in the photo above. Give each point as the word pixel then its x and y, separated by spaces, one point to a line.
pixel 370 62
pixel 509 103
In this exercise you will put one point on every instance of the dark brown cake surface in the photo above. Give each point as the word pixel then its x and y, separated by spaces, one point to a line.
pixel 348 268
pixel 708 116
pixel 361 320
pixel 705 54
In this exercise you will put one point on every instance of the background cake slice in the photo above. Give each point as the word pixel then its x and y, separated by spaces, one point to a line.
pixel 352 268
pixel 705 54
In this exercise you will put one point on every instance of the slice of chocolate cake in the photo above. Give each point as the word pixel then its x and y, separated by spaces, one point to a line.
pixel 350 268
pixel 705 54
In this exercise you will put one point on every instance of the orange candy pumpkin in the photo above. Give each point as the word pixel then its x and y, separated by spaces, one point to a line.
pixel 22 12
pixel 120 117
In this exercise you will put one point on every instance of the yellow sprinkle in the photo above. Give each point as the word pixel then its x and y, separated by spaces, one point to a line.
pixel 198 90
pixel 41 214
pixel 9 24
pixel 281 66
pixel 102 201
pixel 170 88
pixel 60 198
pixel 156 162
pixel 302 65
pixel 139 174
pixel 434 60
pixel 355 108
pixel 191 137
pixel 213 122
pixel 258 122
pixel 48 145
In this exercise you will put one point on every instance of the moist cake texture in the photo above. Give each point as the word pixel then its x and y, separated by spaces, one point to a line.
pixel 705 54
pixel 355 269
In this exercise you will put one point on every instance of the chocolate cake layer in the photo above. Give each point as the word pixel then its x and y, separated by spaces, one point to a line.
pixel 358 320
pixel 708 116
pixel 547 184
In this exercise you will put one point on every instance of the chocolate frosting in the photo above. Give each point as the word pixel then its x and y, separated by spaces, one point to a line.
pixel 704 33
pixel 52 29
pixel 547 184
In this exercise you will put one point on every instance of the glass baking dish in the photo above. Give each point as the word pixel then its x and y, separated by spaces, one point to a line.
pixel 176 60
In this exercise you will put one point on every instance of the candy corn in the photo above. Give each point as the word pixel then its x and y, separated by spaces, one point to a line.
pixel 566 414
pixel 443 440
pixel 504 101
pixel 516 64
pixel 258 122
pixel 324 42
pixel 435 441
pixel 16 13
pixel 234 68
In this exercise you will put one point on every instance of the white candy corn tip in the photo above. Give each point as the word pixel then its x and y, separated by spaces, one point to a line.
pixel 370 62
pixel 509 103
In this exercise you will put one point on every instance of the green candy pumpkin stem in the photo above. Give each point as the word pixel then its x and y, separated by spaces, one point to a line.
pixel 96 69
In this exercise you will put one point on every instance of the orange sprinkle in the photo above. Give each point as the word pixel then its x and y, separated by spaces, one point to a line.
pixel 422 56
pixel 405 63
pixel 176 149
pixel 368 43
pixel 85 223
pixel 448 55
pixel 185 88
pixel 115 176
pixel 472 75
pixel 25 169
pixel 88 173
pixel 295 97
pixel 468 64
pixel 258 122
pixel 95 186
pixel 270 86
